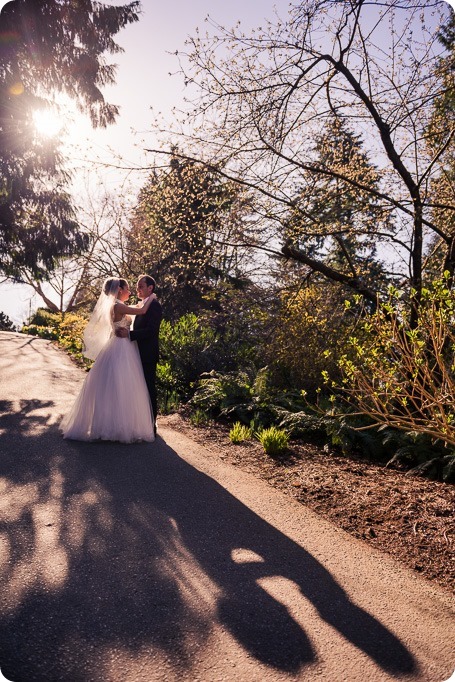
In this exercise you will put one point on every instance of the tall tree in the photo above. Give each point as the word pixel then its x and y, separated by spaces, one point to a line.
pixel 264 97
pixel 334 221
pixel 442 185
pixel 183 225
pixel 75 281
pixel 48 48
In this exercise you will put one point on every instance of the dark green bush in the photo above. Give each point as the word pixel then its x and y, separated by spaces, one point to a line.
pixel 6 325
pixel 233 396
pixel 416 453
pixel 187 349
pixel 45 318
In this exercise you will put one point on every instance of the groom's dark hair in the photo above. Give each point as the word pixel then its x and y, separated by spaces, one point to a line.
pixel 149 280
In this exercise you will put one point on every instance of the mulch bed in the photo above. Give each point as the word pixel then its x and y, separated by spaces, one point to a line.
pixel 409 517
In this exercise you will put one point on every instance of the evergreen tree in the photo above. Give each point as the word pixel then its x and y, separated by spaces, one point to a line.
pixel 6 325
pixel 181 229
pixel 442 187
pixel 46 48
pixel 333 220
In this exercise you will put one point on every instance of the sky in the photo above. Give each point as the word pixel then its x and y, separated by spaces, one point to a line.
pixel 143 81
pixel 143 76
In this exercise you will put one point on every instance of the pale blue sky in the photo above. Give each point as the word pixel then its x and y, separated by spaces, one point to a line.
pixel 143 79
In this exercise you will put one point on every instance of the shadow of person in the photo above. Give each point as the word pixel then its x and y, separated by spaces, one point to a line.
pixel 107 546
pixel 213 525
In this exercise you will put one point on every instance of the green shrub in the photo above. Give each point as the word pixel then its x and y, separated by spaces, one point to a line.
pixel 166 385
pixel 42 332
pixel 310 318
pixel 233 395
pixel 239 433
pixel 416 453
pixel 274 441
pixel 256 425
pixel 45 318
pixel 399 371
pixel 217 393
pixel 71 328
pixel 67 329
pixel 199 418
pixel 186 348
pixel 302 425
pixel 6 325
pixel 168 402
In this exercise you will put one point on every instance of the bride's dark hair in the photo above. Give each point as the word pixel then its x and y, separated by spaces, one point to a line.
pixel 112 283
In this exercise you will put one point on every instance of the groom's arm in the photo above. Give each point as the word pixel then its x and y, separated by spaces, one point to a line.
pixel 153 319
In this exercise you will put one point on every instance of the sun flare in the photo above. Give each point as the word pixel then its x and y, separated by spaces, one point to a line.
pixel 47 122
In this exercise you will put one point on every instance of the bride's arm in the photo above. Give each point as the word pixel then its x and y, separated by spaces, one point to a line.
pixel 133 310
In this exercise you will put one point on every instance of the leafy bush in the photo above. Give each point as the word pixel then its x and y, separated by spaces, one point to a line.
pixel 45 318
pixel 67 329
pixel 417 453
pixel 217 393
pixel 43 332
pixel 169 403
pixel 186 349
pixel 71 329
pixel 166 383
pixel 239 433
pixel 402 374
pixel 301 424
pixel 199 418
pixel 421 456
pixel 274 441
pixel 6 325
pixel 311 332
pixel 233 396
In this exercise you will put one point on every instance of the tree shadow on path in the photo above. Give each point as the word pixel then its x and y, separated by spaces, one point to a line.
pixel 130 547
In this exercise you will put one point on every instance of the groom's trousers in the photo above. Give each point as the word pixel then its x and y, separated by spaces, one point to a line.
pixel 150 379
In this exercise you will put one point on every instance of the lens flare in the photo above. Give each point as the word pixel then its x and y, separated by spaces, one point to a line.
pixel 16 89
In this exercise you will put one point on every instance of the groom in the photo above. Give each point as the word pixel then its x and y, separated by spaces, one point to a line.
pixel 146 331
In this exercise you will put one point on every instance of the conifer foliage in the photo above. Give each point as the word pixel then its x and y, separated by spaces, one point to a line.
pixel 48 48
pixel 183 224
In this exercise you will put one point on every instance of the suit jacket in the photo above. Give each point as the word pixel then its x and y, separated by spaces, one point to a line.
pixel 146 332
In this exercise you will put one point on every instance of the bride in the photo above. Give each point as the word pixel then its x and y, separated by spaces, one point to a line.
pixel 114 402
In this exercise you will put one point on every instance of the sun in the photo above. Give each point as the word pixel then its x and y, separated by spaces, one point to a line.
pixel 47 122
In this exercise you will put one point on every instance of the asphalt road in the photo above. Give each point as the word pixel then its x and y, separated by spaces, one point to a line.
pixel 158 561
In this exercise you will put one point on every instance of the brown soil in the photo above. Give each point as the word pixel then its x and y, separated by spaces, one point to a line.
pixel 409 517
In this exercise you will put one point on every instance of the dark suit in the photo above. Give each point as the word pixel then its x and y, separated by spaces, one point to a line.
pixel 146 332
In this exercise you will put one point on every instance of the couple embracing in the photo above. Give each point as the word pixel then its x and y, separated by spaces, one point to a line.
pixel 118 399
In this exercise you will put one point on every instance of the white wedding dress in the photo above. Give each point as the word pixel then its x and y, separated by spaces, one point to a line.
pixel 114 402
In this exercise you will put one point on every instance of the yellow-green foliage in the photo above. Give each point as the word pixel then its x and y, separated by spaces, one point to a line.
pixel 71 330
pixel 66 328
pixel 310 333
pixel 274 441
pixel 403 375
pixel 239 433
pixel 199 418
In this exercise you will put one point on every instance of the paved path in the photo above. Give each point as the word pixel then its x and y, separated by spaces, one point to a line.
pixel 136 563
